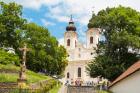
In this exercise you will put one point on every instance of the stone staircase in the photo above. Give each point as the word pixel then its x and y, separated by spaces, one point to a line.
pixel 7 87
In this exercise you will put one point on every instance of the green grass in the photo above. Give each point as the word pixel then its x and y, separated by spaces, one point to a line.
pixel 32 77
pixel 9 66
pixel 101 91
pixel 8 77
pixel 55 89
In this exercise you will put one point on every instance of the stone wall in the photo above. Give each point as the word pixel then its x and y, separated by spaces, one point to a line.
pixel 80 89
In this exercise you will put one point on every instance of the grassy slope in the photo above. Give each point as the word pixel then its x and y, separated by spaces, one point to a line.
pixel 31 76
pixel 55 89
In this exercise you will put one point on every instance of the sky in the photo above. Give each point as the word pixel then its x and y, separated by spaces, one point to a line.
pixel 55 14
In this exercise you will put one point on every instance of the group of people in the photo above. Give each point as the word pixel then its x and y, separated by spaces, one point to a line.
pixel 101 83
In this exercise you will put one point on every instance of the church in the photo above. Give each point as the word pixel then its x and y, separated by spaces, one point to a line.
pixel 78 54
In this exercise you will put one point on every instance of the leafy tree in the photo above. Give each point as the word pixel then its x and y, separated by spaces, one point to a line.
pixel 8 58
pixel 45 54
pixel 10 23
pixel 121 28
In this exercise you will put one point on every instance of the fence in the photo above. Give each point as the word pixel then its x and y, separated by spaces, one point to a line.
pixel 80 89
pixel 17 90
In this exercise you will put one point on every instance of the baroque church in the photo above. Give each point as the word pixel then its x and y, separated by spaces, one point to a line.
pixel 78 54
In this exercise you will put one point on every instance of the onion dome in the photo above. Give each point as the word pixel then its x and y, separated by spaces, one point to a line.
pixel 71 26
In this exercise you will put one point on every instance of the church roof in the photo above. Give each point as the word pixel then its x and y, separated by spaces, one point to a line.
pixel 71 26
pixel 135 67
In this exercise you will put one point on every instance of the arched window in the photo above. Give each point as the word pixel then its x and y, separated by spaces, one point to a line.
pixel 68 42
pixel 68 75
pixel 79 72
pixel 75 43
pixel 91 40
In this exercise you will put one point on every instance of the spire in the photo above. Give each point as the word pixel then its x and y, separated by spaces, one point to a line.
pixel 71 18
pixel 71 26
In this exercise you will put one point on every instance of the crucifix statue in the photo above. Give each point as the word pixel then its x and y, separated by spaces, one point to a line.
pixel 22 75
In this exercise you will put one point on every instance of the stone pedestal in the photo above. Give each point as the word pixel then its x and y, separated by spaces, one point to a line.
pixel 22 77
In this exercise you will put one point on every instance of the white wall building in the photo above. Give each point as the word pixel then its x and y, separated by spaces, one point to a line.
pixel 128 82
pixel 78 54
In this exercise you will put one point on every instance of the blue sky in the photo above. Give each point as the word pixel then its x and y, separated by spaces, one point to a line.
pixel 55 14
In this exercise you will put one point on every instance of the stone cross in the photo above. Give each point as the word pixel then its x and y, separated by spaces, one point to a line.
pixel 24 49
pixel 22 75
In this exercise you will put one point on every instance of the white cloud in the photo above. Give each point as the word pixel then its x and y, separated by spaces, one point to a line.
pixel 59 18
pixel 46 23
pixel 81 9
pixel 61 41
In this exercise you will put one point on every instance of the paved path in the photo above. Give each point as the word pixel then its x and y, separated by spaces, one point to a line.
pixel 63 89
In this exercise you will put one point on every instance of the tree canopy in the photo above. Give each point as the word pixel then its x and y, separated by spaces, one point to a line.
pixel 45 54
pixel 121 28
pixel 8 58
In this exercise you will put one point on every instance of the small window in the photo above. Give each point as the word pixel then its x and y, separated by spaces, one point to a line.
pixel 75 44
pixel 91 40
pixel 68 42
pixel 91 53
pixel 68 75
pixel 79 72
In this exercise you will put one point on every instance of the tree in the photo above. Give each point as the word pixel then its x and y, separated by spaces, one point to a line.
pixel 121 28
pixel 45 54
pixel 8 58
pixel 10 23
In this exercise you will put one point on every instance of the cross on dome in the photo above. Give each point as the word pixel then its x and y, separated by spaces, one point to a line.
pixel 71 18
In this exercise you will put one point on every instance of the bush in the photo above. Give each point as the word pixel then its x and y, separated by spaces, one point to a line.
pixel 8 58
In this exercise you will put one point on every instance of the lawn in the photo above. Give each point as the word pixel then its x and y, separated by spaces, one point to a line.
pixel 12 77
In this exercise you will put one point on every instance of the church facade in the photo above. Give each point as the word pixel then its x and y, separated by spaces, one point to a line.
pixel 78 54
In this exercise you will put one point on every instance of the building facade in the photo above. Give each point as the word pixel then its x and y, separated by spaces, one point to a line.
pixel 78 54
pixel 127 82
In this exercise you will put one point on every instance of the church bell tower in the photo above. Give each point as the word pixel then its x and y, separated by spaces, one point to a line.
pixel 70 36
pixel 92 37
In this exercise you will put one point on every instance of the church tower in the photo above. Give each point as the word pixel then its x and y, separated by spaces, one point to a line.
pixel 70 36
pixel 92 36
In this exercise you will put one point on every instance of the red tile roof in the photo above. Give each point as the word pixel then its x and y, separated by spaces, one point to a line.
pixel 135 67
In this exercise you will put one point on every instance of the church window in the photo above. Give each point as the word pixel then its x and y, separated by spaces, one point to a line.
pixel 79 72
pixel 91 40
pixel 75 43
pixel 68 42
pixel 68 75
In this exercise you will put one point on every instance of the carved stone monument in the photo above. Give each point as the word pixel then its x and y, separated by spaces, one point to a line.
pixel 22 74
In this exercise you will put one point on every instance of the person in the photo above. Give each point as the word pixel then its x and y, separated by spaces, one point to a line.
pixel 76 82
pixel 67 83
pixel 72 82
